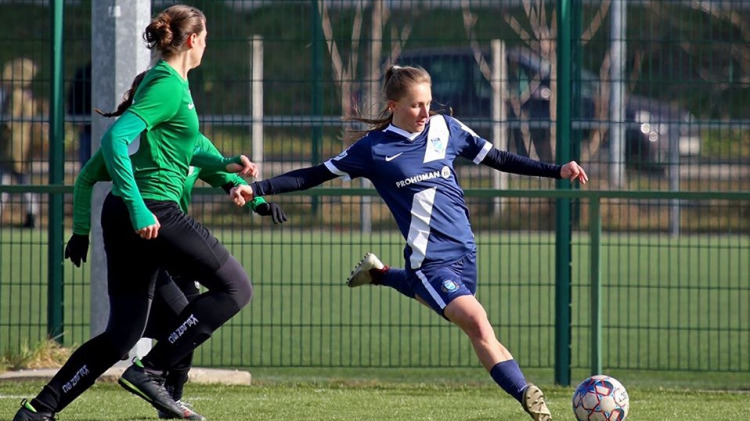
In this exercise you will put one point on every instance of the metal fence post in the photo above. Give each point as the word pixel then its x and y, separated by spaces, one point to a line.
pixel 595 234
pixel 256 99
pixel 562 220
pixel 498 81
pixel 56 160
pixel 618 177
pixel 118 55
pixel 316 79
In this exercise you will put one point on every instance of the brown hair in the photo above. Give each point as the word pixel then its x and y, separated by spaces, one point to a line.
pixel 397 80
pixel 127 97
pixel 168 31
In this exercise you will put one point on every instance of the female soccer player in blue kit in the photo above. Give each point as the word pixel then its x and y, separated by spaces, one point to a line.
pixel 408 155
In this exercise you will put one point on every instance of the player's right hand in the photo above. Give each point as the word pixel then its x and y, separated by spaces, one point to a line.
pixel 77 249
pixel 241 194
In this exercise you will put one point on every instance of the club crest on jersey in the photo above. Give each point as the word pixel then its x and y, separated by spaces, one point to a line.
pixel 341 155
pixel 437 144
pixel 450 286
pixel 191 170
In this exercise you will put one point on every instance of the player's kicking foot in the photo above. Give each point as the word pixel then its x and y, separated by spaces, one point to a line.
pixel 149 386
pixel 29 413
pixel 187 413
pixel 362 273
pixel 533 403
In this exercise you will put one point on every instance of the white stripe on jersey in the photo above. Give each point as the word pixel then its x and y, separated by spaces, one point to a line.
pixel 419 228
pixel 437 139
pixel 485 150
pixel 332 168
pixel 434 294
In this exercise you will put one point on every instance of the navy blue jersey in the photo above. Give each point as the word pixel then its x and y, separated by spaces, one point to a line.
pixel 415 176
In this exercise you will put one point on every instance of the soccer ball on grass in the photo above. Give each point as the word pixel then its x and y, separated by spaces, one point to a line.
pixel 600 398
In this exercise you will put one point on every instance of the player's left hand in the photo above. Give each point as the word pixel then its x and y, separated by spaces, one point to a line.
pixel 241 194
pixel 273 210
pixel 572 171
pixel 77 249
pixel 151 231
pixel 245 168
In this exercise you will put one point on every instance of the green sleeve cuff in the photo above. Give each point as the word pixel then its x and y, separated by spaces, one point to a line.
pixel 257 202
pixel 141 216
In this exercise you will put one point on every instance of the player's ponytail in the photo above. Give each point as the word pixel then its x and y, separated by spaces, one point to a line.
pixel 127 98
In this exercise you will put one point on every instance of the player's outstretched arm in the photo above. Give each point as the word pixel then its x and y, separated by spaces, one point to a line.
pixel 295 180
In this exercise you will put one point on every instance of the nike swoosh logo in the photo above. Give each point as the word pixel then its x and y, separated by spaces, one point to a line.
pixel 391 158
pixel 191 106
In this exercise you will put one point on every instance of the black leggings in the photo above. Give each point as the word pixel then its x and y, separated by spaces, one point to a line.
pixel 183 247
pixel 171 295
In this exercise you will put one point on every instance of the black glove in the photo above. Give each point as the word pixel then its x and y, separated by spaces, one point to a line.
pixel 77 248
pixel 273 210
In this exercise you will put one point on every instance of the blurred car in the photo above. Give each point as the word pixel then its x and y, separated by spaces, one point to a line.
pixel 458 83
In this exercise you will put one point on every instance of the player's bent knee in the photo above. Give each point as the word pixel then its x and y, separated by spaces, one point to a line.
pixel 238 284
pixel 245 295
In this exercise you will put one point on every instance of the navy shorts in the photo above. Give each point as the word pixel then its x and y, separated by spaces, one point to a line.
pixel 438 285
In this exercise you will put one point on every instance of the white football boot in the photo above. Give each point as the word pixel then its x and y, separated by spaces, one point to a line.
pixel 533 403
pixel 361 274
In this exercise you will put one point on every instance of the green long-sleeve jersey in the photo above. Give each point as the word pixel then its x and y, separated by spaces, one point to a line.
pixel 164 116
pixel 95 170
